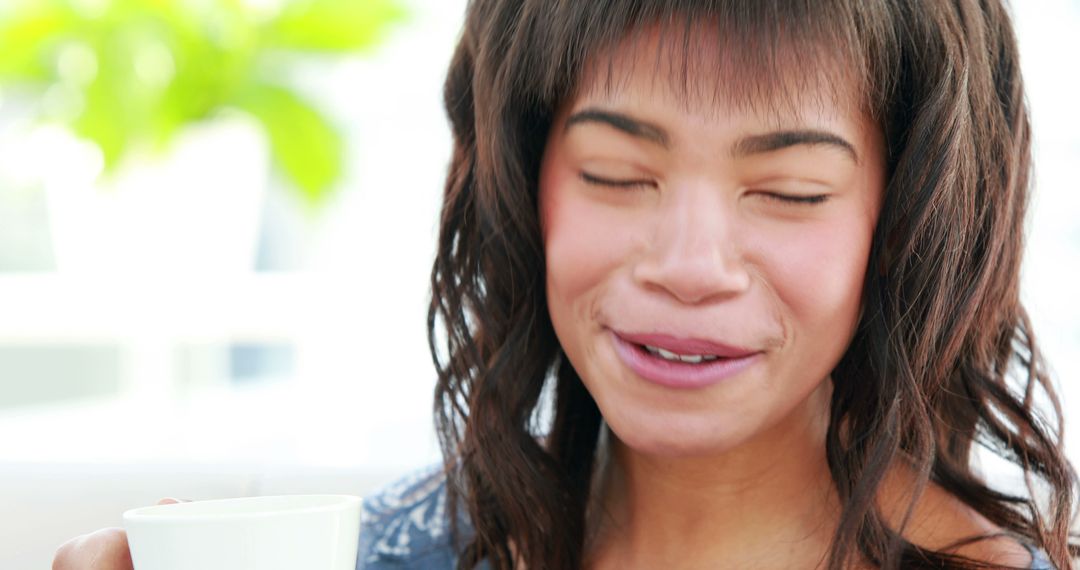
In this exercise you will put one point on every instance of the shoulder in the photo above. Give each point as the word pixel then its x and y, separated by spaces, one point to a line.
pixel 406 524
pixel 945 521
pixel 942 522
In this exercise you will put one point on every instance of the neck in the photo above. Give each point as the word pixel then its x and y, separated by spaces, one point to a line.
pixel 768 502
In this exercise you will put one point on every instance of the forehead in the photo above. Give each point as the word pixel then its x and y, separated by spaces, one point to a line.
pixel 704 73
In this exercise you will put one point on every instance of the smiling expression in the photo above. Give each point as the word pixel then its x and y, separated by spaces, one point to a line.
pixel 706 229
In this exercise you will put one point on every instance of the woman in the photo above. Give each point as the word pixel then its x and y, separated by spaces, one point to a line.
pixel 731 285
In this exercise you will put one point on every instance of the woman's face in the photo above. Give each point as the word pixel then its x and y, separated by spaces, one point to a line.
pixel 734 238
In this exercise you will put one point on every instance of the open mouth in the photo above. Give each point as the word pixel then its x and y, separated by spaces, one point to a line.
pixel 675 370
pixel 669 356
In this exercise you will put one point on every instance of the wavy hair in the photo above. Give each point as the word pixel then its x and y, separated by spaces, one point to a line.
pixel 943 359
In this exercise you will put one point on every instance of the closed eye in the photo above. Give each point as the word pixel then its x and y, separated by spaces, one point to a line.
pixel 796 199
pixel 618 183
pixel 636 183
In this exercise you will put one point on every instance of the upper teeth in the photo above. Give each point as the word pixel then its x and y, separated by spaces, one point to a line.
pixel 691 358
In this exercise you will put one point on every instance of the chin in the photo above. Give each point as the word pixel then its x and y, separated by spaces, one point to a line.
pixel 674 437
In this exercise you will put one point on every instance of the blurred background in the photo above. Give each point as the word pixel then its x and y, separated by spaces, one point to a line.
pixel 217 219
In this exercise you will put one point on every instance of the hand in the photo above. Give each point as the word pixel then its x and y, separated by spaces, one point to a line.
pixel 106 549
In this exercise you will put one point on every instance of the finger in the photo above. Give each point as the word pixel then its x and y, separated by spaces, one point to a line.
pixel 106 549
pixel 171 501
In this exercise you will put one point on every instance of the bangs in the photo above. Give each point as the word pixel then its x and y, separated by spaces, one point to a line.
pixel 764 55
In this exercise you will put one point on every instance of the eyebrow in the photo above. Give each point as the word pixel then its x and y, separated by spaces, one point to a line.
pixel 746 146
pixel 777 140
pixel 624 123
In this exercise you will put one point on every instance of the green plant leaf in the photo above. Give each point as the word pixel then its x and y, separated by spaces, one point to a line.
pixel 130 73
pixel 302 140
pixel 25 38
pixel 105 122
pixel 332 25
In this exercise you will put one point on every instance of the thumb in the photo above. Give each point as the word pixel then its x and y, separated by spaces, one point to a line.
pixel 171 501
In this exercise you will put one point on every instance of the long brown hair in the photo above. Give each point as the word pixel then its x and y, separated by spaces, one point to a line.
pixel 943 358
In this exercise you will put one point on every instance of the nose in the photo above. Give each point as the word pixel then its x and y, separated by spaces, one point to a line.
pixel 694 253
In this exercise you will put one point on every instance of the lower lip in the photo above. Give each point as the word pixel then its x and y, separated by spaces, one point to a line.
pixel 679 374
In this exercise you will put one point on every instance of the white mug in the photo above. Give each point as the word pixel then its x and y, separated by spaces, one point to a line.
pixel 288 532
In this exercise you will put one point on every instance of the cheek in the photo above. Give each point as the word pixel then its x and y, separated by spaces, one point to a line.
pixel 818 278
pixel 584 245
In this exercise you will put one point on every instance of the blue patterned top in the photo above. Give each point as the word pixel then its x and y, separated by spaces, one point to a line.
pixel 406 526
